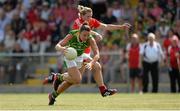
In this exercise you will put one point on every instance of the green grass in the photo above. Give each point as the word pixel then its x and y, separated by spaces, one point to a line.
pixel 84 101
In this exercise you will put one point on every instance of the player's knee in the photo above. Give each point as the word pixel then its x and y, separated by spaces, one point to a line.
pixel 97 66
pixel 77 80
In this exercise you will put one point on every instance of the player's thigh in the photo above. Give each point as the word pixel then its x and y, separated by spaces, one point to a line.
pixel 82 69
pixel 75 74
pixel 73 69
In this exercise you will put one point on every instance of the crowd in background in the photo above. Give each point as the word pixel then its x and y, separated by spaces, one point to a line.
pixel 37 25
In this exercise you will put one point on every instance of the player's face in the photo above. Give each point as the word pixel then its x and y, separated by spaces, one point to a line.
pixel 84 35
pixel 87 16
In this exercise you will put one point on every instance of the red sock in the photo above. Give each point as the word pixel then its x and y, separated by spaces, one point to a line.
pixel 102 88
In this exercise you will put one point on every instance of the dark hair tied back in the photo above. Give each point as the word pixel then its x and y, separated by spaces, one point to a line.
pixel 85 27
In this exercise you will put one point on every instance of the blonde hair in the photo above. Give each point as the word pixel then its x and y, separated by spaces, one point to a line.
pixel 83 10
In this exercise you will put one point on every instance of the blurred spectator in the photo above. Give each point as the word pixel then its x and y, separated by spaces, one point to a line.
pixel 109 18
pixel 151 54
pixel 158 37
pixel 140 29
pixel 1 36
pixel 105 60
pixel 17 23
pixel 10 39
pixel 141 9
pixel 171 9
pixel 45 12
pixel 16 64
pixel 167 40
pixel 123 65
pixel 174 66
pixel 27 3
pixel 118 11
pixel 57 12
pixel 21 10
pixel 23 42
pixel 163 27
pixel 176 28
pixel 55 29
pixel 133 50
pixel 178 10
pixel 156 11
pixel 151 25
pixel 28 33
pixel 68 20
pixel 33 14
pixel 43 36
pixel 2 64
pixel 169 17
pixel 11 3
pixel 4 20
pixel 128 12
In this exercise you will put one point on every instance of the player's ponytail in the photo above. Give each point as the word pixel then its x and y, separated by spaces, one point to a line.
pixel 83 10
pixel 85 27
pixel 80 8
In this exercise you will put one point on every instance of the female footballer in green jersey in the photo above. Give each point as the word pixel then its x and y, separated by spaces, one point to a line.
pixel 80 40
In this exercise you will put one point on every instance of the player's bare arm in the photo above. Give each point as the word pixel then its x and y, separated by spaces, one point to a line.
pixel 114 27
pixel 62 43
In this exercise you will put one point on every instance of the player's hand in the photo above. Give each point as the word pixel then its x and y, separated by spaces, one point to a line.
pixel 60 48
pixel 89 65
pixel 126 26
pixel 64 50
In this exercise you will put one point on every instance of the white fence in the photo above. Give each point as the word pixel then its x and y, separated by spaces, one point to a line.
pixel 18 68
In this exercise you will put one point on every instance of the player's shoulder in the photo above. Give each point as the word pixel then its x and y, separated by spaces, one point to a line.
pixel 77 21
pixel 74 32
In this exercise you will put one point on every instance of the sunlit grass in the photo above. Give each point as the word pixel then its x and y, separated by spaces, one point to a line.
pixel 90 101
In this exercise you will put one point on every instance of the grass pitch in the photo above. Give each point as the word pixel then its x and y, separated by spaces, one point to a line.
pixel 90 101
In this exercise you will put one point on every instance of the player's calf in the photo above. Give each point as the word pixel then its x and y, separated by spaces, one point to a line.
pixel 58 79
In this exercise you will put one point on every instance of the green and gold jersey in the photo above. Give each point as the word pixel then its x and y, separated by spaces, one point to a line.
pixel 76 43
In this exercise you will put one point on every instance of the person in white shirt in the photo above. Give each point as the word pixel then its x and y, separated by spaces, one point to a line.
pixel 152 54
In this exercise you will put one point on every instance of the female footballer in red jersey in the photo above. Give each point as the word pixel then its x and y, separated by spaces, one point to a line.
pixel 85 14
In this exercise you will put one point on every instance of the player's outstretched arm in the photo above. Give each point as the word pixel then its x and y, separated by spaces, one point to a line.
pixel 124 26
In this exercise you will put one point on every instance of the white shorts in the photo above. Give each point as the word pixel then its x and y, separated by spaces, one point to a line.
pixel 77 62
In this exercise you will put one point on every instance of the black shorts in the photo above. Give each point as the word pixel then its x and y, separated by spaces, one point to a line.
pixel 133 73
